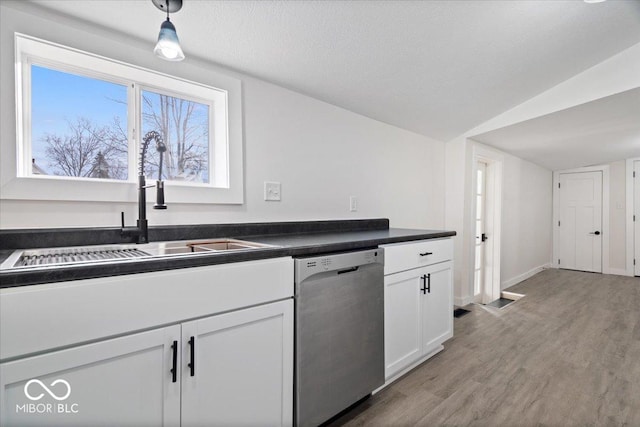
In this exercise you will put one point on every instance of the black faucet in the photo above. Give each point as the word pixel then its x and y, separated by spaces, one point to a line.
pixel 141 231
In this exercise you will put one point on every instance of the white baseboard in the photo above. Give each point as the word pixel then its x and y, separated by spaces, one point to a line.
pixel 524 276
pixel 462 301
pixel 619 272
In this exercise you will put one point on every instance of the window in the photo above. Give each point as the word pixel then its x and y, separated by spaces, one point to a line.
pixel 81 118
pixel 184 126
pixel 78 126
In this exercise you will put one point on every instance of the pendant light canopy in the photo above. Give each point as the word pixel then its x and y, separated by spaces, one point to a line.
pixel 168 46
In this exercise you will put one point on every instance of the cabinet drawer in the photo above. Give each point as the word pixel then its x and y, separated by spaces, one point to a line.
pixel 404 256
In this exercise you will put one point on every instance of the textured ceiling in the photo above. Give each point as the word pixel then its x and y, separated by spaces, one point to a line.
pixel 597 132
pixel 438 68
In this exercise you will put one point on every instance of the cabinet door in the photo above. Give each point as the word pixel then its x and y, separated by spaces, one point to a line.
pixel 242 371
pixel 122 381
pixel 437 306
pixel 402 320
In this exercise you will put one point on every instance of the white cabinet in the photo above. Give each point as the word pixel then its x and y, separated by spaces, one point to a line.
pixel 402 320
pixel 123 381
pixel 231 366
pixel 229 369
pixel 437 306
pixel 242 370
pixel 418 302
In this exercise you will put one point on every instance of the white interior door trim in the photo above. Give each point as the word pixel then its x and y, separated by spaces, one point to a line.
pixel 495 161
pixel 630 225
pixel 605 212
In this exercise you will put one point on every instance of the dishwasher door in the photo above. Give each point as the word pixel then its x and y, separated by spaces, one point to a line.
pixel 339 332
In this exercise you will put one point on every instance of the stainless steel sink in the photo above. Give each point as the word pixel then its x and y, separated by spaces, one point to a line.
pixel 194 246
pixel 110 253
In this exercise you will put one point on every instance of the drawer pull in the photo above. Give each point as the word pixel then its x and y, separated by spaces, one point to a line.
pixel 174 364
pixel 192 362
pixel 426 253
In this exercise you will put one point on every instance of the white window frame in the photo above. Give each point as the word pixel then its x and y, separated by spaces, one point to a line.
pixel 224 100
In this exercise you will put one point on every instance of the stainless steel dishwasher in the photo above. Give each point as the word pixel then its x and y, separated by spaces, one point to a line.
pixel 339 332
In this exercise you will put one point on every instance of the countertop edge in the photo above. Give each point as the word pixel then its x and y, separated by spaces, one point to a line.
pixel 13 278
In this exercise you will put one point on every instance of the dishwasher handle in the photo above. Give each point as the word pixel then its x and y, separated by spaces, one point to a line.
pixel 348 270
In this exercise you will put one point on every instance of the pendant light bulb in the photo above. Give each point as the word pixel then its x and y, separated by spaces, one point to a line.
pixel 168 46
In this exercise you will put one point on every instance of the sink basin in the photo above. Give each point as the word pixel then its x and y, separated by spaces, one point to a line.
pixel 225 245
pixel 110 253
pixel 193 246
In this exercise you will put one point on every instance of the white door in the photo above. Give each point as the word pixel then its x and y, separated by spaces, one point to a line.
pixel 580 227
pixel 238 370
pixel 636 212
pixel 437 305
pixel 479 293
pixel 121 381
pixel 402 320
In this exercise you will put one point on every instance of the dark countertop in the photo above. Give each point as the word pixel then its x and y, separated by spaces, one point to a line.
pixel 292 239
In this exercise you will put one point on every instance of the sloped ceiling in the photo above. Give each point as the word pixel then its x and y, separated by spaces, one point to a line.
pixel 597 132
pixel 437 68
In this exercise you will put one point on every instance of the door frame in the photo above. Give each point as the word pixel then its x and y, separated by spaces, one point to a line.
pixel 605 212
pixel 630 201
pixel 495 161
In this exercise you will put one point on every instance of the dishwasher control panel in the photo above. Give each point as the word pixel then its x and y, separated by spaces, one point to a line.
pixel 309 266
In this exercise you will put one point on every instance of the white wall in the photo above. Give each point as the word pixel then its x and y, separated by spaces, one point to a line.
pixel 526 219
pixel 458 180
pixel 320 153
pixel 617 217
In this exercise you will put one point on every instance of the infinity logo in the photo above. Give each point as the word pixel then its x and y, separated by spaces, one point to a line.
pixel 52 394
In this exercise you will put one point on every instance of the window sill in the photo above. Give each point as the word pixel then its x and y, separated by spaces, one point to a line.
pixel 33 188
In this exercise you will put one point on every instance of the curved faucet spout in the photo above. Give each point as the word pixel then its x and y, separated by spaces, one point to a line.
pixel 141 230
pixel 160 147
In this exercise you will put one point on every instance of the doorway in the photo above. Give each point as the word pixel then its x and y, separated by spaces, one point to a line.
pixel 486 196
pixel 581 219
pixel 480 232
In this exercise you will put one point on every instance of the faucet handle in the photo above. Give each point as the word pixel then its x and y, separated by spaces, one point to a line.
pixel 160 196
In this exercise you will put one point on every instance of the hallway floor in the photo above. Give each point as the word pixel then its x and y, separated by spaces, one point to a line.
pixel 567 354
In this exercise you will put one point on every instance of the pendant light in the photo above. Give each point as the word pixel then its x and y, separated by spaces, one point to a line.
pixel 168 46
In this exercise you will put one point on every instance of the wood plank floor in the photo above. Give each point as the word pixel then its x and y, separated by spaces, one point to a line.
pixel 567 354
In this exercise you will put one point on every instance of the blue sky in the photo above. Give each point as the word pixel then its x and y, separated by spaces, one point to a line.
pixel 58 97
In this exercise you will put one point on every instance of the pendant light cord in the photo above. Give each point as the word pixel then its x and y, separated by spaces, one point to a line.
pixel 168 10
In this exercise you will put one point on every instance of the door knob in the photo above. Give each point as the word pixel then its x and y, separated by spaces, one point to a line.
pixel 597 233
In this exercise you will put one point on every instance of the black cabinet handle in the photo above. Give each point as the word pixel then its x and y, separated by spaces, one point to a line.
pixel 174 364
pixel 423 288
pixel 429 282
pixel 192 360
pixel 426 253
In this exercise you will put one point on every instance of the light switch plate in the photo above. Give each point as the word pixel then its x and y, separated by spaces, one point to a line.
pixel 272 191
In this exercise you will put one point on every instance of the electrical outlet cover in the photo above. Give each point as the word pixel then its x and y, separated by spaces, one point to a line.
pixel 272 191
